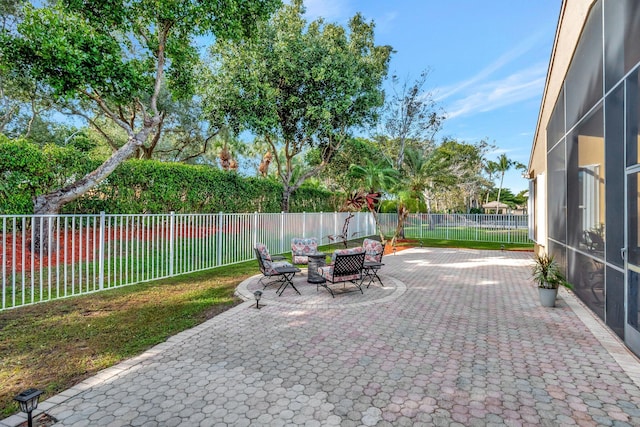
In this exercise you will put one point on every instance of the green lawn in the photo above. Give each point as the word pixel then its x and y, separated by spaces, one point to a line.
pixel 496 234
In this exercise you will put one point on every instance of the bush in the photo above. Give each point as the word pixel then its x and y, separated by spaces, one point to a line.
pixel 141 186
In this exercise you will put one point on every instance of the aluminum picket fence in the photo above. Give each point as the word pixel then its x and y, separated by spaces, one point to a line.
pixel 56 256
pixel 470 227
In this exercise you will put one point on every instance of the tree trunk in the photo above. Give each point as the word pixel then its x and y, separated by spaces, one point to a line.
pixel 378 228
pixel 499 191
pixel 402 215
pixel 51 203
pixel 286 198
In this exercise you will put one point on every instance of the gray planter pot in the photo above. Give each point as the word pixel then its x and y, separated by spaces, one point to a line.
pixel 548 297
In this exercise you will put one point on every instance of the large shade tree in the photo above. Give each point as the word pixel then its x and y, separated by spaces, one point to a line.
pixel 298 86
pixel 410 119
pixel 114 56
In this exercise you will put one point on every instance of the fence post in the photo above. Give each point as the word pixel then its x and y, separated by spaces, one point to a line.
pixel 172 240
pixel 477 220
pixel 304 225
pixel 219 240
pixel 447 216
pixel 281 232
pixel 101 252
pixel 509 228
pixel 255 228
pixel 321 228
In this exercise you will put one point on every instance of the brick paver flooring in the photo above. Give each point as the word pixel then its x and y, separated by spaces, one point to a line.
pixel 455 338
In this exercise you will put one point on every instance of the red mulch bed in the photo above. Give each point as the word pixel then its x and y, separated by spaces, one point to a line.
pixel 401 244
pixel 83 249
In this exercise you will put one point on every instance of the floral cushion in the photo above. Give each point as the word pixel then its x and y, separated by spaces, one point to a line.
pixel 355 250
pixel 264 252
pixel 269 265
pixel 373 250
pixel 327 273
pixel 301 248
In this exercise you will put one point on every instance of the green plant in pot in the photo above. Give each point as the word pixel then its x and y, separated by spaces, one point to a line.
pixel 546 273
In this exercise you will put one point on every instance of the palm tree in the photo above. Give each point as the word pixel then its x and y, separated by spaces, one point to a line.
pixel 425 171
pixel 375 178
pixel 503 165
pixel 490 168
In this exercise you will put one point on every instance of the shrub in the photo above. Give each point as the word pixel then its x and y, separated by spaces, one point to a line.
pixel 141 186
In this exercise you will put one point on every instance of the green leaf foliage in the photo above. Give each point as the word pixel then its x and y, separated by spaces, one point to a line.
pixel 297 81
pixel 298 85
pixel 111 48
pixel 141 186
pixel 22 168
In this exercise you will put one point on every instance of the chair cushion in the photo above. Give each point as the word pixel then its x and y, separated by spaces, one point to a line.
pixel 300 259
pixel 270 267
pixel 306 246
pixel 264 252
pixel 349 251
pixel 373 250
pixel 301 248
pixel 327 273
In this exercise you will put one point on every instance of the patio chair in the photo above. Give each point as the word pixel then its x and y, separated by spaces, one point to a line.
pixel 301 248
pixel 281 270
pixel 346 267
pixel 374 250
pixel 264 251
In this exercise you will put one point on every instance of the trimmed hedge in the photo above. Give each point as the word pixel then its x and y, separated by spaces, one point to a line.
pixel 144 186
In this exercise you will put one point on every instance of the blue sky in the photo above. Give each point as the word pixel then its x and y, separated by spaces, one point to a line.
pixel 487 60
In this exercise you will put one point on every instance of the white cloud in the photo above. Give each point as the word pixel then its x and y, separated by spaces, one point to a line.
pixel 520 86
pixel 519 50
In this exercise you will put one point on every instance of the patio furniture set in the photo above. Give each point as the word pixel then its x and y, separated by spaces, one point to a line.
pixel 353 265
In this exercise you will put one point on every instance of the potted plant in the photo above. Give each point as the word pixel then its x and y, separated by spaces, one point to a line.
pixel 547 275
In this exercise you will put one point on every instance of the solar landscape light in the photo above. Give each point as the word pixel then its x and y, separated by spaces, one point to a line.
pixel 257 295
pixel 28 401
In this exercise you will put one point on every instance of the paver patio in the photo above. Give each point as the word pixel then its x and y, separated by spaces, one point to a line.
pixel 456 338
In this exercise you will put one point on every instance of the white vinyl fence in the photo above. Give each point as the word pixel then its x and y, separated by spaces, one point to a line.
pixel 50 257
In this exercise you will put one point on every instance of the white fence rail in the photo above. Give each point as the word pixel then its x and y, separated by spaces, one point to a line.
pixel 471 227
pixel 50 257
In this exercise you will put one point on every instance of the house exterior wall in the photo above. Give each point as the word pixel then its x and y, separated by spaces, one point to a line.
pixel 584 167
pixel 572 16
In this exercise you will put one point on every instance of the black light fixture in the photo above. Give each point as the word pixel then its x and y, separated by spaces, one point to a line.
pixel 28 401
pixel 421 243
pixel 257 295
pixel 394 249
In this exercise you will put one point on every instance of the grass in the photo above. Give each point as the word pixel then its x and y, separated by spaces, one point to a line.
pixel 442 243
pixel 57 344
pixel 54 345
pixel 497 235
